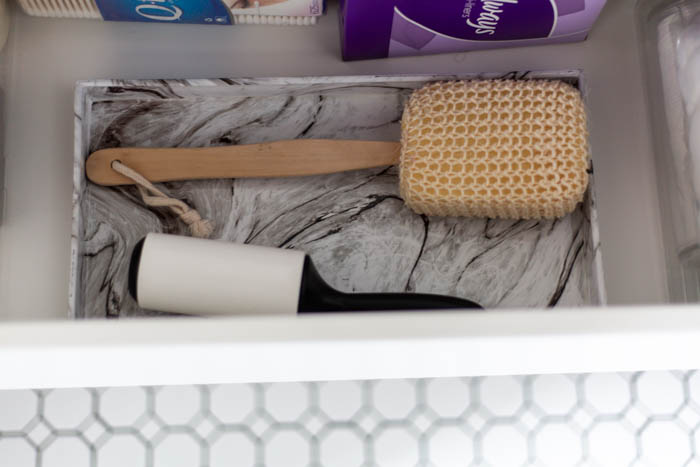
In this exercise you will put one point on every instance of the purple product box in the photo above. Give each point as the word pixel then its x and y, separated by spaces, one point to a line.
pixel 394 28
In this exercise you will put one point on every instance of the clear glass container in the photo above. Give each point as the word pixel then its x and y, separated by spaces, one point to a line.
pixel 670 34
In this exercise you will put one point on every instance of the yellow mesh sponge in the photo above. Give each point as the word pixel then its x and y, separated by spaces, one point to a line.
pixel 494 148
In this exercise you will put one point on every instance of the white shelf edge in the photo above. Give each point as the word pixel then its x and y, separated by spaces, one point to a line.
pixel 311 348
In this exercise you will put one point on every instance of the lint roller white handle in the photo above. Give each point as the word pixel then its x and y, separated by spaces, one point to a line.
pixel 196 276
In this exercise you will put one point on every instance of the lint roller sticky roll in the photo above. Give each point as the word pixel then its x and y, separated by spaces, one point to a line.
pixel 515 149
pixel 208 277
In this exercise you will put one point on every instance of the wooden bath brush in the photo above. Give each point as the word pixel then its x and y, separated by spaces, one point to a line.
pixel 484 148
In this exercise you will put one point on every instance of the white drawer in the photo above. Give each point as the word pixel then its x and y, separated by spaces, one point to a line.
pixel 194 351
pixel 45 57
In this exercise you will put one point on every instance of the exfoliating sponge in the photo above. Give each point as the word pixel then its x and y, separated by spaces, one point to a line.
pixel 494 148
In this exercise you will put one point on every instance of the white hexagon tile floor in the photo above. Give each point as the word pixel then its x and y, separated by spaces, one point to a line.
pixel 630 419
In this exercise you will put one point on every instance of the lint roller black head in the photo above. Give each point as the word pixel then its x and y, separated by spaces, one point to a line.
pixel 207 277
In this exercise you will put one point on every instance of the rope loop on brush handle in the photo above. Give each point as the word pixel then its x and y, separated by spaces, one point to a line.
pixel 152 196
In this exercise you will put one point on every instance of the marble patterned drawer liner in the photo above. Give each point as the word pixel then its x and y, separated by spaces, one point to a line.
pixel 354 224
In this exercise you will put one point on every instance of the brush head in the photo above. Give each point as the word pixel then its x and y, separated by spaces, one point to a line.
pixel 494 148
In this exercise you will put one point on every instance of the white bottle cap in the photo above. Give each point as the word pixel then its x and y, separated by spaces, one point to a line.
pixel 207 277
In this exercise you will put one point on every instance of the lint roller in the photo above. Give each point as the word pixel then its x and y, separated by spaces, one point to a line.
pixel 515 149
pixel 188 275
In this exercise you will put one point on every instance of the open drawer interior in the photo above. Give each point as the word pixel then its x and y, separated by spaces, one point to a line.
pixel 44 59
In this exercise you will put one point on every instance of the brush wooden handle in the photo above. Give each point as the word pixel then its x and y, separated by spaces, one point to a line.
pixel 276 159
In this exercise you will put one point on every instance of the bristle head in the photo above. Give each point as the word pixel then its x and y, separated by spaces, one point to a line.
pixel 494 148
